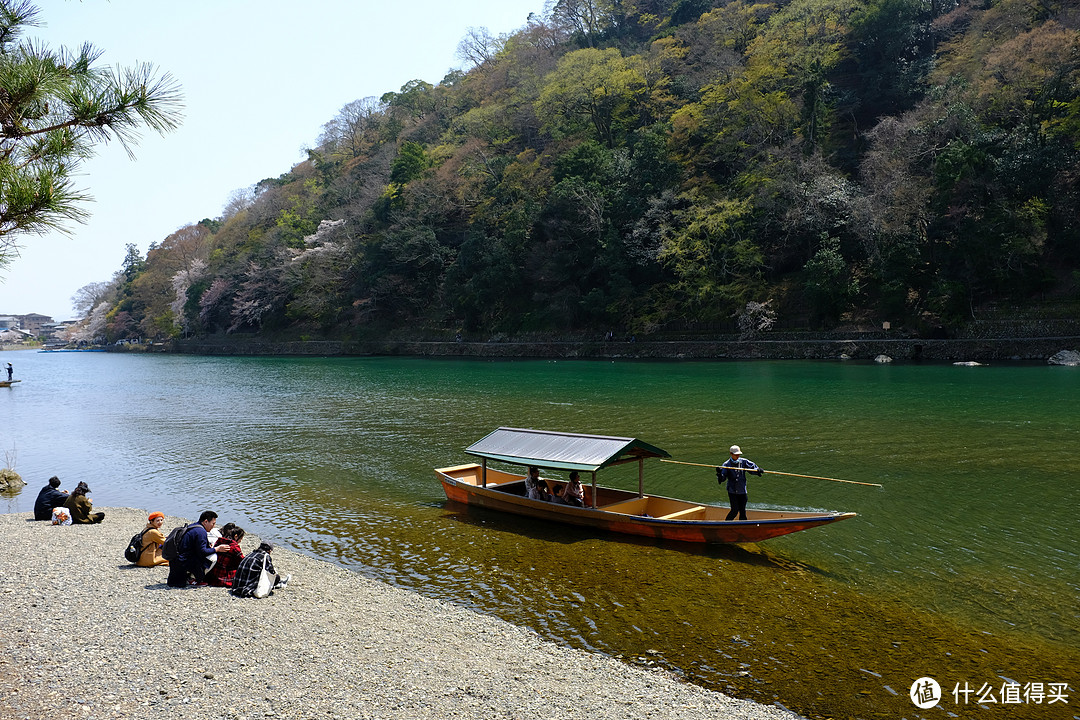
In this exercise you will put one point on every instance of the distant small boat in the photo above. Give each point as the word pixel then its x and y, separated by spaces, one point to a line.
pixel 608 509
pixel 60 350
pixel 8 383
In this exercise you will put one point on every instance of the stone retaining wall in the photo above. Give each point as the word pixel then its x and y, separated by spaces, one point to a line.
pixel 907 349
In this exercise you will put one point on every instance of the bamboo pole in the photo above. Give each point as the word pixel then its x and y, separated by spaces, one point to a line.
pixel 777 472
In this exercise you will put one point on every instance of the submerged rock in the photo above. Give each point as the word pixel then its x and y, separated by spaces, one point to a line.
pixel 969 363
pixel 1065 357
pixel 883 359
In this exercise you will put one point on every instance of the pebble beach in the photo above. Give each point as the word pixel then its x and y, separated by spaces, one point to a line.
pixel 87 635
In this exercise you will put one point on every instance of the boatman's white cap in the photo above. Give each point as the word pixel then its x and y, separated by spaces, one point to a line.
pixel 736 450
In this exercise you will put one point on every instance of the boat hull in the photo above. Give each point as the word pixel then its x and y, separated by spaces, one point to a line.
pixel 626 513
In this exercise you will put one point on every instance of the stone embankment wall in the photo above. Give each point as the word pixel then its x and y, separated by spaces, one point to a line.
pixel 856 348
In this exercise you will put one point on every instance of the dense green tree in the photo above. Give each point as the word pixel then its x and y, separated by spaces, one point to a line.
pixel 890 52
pixel 409 164
pixel 486 285
pixel 133 262
pixel 710 250
pixel 684 11
pixel 736 125
pixel 829 282
pixel 593 90
pixel 584 20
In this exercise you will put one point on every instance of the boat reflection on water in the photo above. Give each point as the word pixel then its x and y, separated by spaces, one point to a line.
pixel 572 537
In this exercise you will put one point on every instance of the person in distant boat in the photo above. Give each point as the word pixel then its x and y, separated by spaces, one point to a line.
pixel 194 561
pixel 532 485
pixel 81 506
pixel 572 493
pixel 9 372
pixel 152 540
pixel 734 472
pixel 50 496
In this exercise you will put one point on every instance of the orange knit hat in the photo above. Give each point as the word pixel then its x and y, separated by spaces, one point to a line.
pixel 156 515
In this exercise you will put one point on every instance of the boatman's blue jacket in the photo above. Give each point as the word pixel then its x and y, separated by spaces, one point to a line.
pixel 734 471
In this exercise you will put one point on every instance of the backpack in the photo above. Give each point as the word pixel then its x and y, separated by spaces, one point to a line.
pixel 135 547
pixel 170 550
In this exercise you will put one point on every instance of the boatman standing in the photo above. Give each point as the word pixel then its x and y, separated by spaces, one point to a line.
pixel 9 372
pixel 734 472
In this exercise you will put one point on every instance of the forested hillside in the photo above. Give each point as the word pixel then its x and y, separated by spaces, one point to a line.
pixel 646 164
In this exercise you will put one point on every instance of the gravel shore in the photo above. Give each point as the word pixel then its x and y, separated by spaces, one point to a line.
pixel 86 635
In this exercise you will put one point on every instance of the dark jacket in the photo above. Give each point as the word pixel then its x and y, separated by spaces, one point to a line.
pixel 47 499
pixel 195 546
pixel 247 573
pixel 734 471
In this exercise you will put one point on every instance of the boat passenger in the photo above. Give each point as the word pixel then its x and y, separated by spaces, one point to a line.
pixel 573 493
pixel 152 540
pixel 532 485
pixel 734 472
pixel 80 506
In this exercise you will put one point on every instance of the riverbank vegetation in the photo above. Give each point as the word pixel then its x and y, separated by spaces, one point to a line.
pixel 649 165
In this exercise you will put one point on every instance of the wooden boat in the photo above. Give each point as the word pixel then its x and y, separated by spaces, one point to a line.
pixel 608 509
pixel 8 383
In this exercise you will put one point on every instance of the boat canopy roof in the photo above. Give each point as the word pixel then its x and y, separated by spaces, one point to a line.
pixel 561 451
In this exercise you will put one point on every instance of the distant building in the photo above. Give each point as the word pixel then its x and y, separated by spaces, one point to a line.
pixel 14 336
pixel 31 323
pixel 55 333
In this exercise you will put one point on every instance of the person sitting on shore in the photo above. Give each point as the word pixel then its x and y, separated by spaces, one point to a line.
pixel 152 540
pixel 51 496
pixel 250 571
pixel 194 560
pixel 81 506
pixel 219 532
pixel 212 537
pixel 229 556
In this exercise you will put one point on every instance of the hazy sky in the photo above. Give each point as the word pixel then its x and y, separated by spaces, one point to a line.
pixel 260 78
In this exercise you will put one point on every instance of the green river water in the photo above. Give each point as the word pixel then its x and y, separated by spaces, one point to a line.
pixel 964 567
